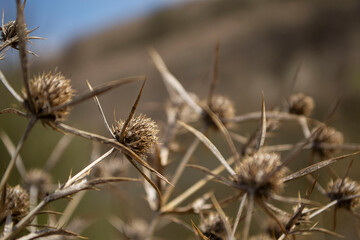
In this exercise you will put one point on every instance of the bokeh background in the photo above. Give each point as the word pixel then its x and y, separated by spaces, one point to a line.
pixel 262 44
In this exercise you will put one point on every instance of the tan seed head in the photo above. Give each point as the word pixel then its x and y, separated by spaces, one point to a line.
pixel 253 174
pixel 39 179
pixel 339 189
pixel 140 134
pixel 16 202
pixel 301 104
pixel 213 227
pixel 48 91
pixel 327 136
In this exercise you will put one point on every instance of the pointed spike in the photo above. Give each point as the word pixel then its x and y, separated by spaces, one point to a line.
pixel 132 113
pixel 262 135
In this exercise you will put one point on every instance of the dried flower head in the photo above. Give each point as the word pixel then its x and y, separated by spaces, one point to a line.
pixel 16 202
pixel 301 104
pixel 40 179
pixel 139 135
pixel 48 91
pixel 8 31
pixel 339 189
pixel 327 136
pixel 213 227
pixel 253 174
pixel 223 107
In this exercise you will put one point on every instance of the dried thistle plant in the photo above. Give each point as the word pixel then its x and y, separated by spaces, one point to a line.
pixel 139 135
pixel 301 104
pixel 48 91
pixel 252 176
pixel 254 170
pixel 16 203
pixel 340 189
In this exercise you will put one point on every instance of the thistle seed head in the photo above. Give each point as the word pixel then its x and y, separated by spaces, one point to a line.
pixel 253 171
pixel 213 227
pixel 40 179
pixel 48 91
pixel 339 189
pixel 301 104
pixel 223 107
pixel 327 135
pixel 16 202
pixel 139 135
pixel 8 31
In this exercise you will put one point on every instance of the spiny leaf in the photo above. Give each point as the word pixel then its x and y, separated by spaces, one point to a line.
pixel 316 166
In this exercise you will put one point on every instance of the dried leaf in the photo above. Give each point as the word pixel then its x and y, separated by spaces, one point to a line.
pixel 210 146
pixel 316 166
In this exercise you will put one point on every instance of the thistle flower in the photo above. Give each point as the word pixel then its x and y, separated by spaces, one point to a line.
pixel 223 107
pixel 40 179
pixel 48 91
pixel 327 135
pixel 213 227
pixel 253 174
pixel 139 134
pixel 16 202
pixel 340 188
pixel 8 31
pixel 301 104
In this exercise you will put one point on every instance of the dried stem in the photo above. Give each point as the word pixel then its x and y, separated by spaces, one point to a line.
pixel 15 154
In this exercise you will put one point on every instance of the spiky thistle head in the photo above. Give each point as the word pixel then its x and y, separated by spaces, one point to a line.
pixel 339 189
pixel 8 31
pixel 301 104
pixel 16 202
pixel 223 107
pixel 48 91
pixel 139 135
pixel 39 179
pixel 213 227
pixel 253 173
pixel 327 136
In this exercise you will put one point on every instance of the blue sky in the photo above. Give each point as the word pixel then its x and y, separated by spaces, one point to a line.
pixel 61 21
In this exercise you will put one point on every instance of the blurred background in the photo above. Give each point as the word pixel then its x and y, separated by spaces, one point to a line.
pixel 262 44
